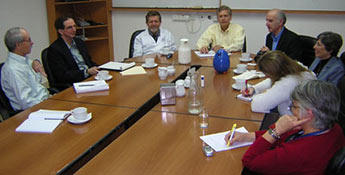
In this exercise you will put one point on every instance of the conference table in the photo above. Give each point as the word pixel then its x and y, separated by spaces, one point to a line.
pixel 168 143
pixel 130 111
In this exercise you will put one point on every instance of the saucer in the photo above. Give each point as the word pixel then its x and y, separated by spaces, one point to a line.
pixel 73 120
pixel 148 67
pixel 237 72
pixel 108 77
pixel 246 59
pixel 251 64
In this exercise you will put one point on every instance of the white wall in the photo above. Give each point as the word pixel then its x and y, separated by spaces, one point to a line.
pixel 30 14
pixel 126 22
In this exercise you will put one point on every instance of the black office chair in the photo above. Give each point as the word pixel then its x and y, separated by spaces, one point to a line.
pixel 308 54
pixel 131 44
pixel 54 86
pixel 336 166
pixel 342 58
pixel 341 116
pixel 6 109
pixel 244 48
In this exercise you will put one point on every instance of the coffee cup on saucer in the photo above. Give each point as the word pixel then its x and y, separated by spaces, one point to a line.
pixel 79 113
pixel 240 83
pixel 171 70
pixel 149 62
pixel 103 74
pixel 245 56
pixel 241 68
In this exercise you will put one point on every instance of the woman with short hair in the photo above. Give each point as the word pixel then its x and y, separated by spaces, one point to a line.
pixel 302 143
pixel 327 66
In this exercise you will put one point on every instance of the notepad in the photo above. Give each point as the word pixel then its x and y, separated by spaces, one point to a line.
pixel 250 74
pixel 137 70
pixel 90 86
pixel 241 97
pixel 38 125
pixel 117 66
pixel 49 114
pixel 211 53
pixel 216 141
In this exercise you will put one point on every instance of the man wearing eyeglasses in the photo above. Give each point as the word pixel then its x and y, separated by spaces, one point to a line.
pixel 19 80
pixel 69 55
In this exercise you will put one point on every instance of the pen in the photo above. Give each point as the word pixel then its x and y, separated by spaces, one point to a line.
pixel 232 133
pixel 81 85
pixel 246 91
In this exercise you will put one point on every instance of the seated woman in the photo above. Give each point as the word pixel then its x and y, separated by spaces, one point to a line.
pixel 284 74
pixel 327 66
pixel 302 143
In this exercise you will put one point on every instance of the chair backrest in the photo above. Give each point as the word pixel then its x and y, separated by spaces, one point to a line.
pixel 44 57
pixel 341 116
pixel 131 44
pixel 244 48
pixel 6 109
pixel 308 54
pixel 336 166
pixel 342 58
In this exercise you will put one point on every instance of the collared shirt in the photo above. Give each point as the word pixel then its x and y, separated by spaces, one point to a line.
pixel 145 44
pixel 155 36
pixel 21 84
pixel 276 39
pixel 78 58
pixel 231 39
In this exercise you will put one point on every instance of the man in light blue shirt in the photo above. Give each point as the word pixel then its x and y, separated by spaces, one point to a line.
pixel 21 84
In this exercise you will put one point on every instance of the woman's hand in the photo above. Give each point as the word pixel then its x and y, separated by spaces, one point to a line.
pixel 250 92
pixel 240 137
pixel 288 122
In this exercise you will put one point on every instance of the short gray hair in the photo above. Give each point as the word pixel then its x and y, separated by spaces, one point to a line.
pixel 224 7
pixel 322 98
pixel 12 37
pixel 281 15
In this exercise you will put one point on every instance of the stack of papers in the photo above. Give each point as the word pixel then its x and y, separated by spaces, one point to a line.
pixel 90 86
pixel 241 97
pixel 247 75
pixel 216 141
pixel 137 70
pixel 117 66
pixel 43 121
pixel 211 53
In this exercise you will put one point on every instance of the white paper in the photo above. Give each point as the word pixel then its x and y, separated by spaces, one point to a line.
pixel 216 141
pixel 49 114
pixel 241 97
pixel 90 86
pixel 38 125
pixel 247 75
pixel 137 70
pixel 111 65
pixel 211 53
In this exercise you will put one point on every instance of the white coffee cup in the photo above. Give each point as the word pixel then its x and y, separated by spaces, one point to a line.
pixel 241 68
pixel 149 62
pixel 165 51
pixel 180 91
pixel 240 83
pixel 79 113
pixel 171 70
pixel 103 74
pixel 162 73
pixel 245 56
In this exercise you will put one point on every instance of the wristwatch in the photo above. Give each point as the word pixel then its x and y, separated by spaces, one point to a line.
pixel 273 133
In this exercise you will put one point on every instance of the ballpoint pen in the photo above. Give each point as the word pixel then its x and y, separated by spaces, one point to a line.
pixel 246 90
pixel 232 133
pixel 81 85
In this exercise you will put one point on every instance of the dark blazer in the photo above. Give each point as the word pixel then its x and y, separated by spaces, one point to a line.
pixel 65 70
pixel 289 43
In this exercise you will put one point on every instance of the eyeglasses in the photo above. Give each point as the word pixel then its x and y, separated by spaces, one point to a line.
pixel 27 40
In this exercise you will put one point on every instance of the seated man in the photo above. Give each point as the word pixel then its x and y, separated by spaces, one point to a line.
pixel 224 35
pixel 280 38
pixel 21 84
pixel 154 39
pixel 69 56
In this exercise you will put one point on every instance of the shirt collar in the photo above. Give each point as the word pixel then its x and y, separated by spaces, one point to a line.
pixel 227 30
pixel 72 44
pixel 276 38
pixel 153 35
pixel 17 57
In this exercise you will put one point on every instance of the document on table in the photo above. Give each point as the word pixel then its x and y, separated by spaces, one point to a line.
pixel 90 86
pixel 49 114
pixel 250 74
pixel 216 141
pixel 39 125
pixel 241 97
pixel 211 53
pixel 111 65
pixel 137 70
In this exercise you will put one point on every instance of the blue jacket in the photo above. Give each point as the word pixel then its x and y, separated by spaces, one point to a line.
pixel 332 72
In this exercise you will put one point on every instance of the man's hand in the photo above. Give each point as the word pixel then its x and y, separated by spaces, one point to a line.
pixel 92 70
pixel 264 49
pixel 38 68
pixel 217 47
pixel 204 50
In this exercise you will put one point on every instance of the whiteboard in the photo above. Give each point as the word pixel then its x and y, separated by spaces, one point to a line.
pixel 316 5
pixel 167 3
